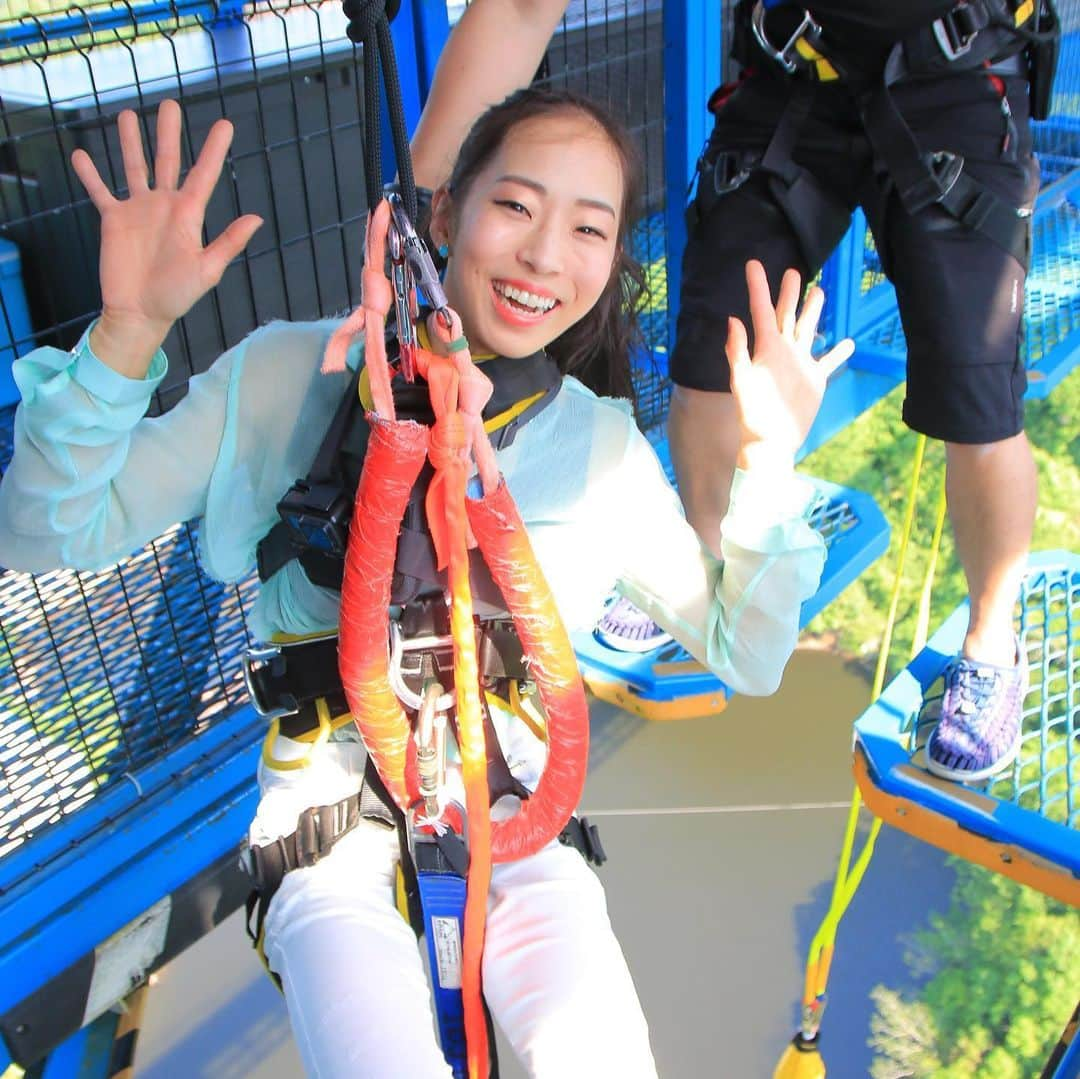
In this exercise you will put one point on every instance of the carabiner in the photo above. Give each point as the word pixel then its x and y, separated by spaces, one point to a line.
pixel 401 281
pixel 422 269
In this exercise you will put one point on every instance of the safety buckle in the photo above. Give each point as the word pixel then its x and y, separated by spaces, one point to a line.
pixel 946 168
pixel 584 837
pixel 785 56
pixel 731 169
pixel 258 661
pixel 956 30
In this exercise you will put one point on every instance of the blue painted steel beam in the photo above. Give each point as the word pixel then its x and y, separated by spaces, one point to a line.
pixel 692 60
pixel 432 27
pixel 101 813
pixel 403 34
pixel 1069 1065
pixel 87 1054
pixel 32 29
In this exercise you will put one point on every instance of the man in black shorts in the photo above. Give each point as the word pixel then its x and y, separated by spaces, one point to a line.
pixel 917 112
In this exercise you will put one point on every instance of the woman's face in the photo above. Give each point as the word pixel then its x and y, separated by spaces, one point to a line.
pixel 534 239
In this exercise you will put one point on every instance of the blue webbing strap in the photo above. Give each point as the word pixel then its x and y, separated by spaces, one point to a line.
pixel 442 900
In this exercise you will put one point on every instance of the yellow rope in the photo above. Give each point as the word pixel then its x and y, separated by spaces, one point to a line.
pixel 849 878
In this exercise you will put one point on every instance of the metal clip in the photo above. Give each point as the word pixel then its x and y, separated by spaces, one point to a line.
pixel 431 749
pixel 422 270
pixel 255 659
pixel 399 647
pixel 946 168
pixel 401 281
pixel 781 56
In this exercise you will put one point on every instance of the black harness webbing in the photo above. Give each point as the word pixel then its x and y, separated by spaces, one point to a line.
pixel 320 828
pixel 975 34
pixel 316 510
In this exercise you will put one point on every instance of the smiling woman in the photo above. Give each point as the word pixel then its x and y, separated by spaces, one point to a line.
pixel 536 214
pixel 541 252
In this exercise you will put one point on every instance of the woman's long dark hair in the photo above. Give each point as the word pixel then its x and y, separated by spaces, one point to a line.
pixel 595 349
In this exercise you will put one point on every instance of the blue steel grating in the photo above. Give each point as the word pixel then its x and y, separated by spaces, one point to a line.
pixel 651 386
pixel 1045 778
pixel 1053 289
pixel 1052 298
pixel 100 673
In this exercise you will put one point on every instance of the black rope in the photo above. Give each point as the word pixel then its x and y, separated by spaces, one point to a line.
pixel 369 26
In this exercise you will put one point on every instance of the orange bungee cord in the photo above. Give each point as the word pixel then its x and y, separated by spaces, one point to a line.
pixel 395 455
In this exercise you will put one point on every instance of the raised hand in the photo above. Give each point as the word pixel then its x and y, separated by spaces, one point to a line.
pixel 153 263
pixel 778 391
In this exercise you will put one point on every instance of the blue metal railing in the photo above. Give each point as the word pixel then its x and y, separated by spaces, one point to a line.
pixel 75 21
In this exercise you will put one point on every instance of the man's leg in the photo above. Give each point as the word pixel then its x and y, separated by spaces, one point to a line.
pixel 961 296
pixel 992 493
pixel 703 433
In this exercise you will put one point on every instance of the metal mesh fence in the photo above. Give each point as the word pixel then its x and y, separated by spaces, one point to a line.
pixel 103 673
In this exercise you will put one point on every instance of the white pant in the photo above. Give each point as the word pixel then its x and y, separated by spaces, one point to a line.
pixel 554 976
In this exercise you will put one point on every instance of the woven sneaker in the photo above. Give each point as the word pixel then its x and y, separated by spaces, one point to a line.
pixel 626 628
pixel 978 734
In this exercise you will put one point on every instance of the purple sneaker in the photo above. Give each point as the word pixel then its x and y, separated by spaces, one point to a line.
pixel 626 628
pixel 978 734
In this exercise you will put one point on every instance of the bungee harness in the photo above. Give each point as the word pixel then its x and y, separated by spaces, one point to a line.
pixel 444 613
pixel 1000 37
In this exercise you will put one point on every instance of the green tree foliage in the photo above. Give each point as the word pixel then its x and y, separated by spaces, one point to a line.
pixel 1003 970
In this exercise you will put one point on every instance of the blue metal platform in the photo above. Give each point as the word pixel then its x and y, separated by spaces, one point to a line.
pixel 1027 818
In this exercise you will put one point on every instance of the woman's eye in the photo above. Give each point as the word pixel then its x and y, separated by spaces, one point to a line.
pixel 513 205
pixel 592 230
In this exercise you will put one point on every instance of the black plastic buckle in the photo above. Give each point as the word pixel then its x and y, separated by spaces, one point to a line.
pixel 585 838
pixel 731 169
pixel 318 516
pixel 317 832
pixel 956 30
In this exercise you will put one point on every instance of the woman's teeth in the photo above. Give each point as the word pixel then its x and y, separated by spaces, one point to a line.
pixel 529 300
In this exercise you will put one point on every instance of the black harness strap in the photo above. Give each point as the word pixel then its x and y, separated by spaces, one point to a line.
pixel 972 35
pixel 316 510
pixel 318 830
pixel 369 26
pixel 795 189
pixel 923 179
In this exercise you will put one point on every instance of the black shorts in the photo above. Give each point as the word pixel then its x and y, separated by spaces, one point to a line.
pixel 960 295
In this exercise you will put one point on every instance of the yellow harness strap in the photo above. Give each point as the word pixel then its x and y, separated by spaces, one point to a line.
pixel 825 71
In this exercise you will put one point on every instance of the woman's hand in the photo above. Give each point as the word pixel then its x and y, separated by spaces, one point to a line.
pixel 153 264
pixel 779 390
